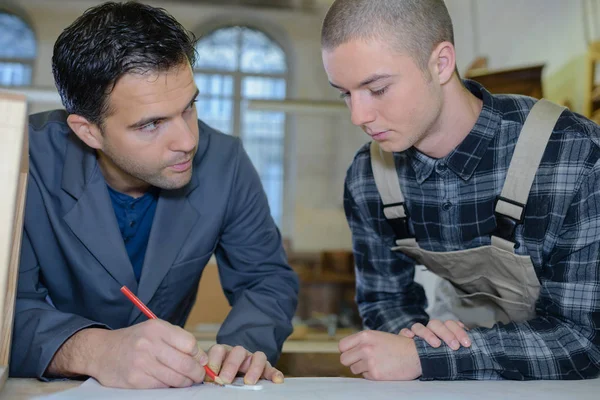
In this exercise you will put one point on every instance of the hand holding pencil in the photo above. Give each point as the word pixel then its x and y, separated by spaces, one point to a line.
pixel 226 360
pixel 197 354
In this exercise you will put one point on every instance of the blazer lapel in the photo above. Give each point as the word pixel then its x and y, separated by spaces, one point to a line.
pixel 172 223
pixel 93 219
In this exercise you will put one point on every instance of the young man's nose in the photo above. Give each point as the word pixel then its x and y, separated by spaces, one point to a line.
pixel 361 113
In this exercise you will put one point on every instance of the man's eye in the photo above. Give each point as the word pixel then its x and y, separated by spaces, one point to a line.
pixel 343 95
pixel 152 126
pixel 191 106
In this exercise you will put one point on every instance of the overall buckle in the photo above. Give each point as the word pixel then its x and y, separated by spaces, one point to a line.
pixel 400 225
pixel 506 226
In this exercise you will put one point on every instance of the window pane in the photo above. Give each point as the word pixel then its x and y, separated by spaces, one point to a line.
pixel 254 87
pixel 263 125
pixel 214 85
pixel 219 50
pixel 16 38
pixel 216 112
pixel 260 54
pixel 263 136
pixel 15 74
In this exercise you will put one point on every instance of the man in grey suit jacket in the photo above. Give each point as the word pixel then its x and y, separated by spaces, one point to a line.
pixel 127 187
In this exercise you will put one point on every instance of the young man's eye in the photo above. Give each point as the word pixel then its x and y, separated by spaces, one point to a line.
pixel 344 95
pixel 379 92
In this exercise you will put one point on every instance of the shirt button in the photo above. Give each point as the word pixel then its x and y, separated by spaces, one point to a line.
pixel 132 224
pixel 441 167
pixel 446 206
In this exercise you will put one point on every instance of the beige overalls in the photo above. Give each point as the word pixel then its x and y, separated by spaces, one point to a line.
pixel 488 284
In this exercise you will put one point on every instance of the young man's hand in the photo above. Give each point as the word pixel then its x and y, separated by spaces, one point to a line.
pixel 227 362
pixel 453 333
pixel 381 356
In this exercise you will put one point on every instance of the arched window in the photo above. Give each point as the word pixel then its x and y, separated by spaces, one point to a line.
pixel 17 51
pixel 235 64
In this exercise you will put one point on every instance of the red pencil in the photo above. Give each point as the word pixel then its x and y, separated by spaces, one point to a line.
pixel 138 303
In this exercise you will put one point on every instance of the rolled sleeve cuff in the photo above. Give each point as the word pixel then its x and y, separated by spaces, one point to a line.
pixel 436 363
pixel 51 347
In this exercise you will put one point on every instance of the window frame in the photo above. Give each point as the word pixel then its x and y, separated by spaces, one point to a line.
pixel 280 38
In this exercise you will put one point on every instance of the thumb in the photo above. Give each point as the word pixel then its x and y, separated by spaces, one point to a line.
pixel 199 355
pixel 407 333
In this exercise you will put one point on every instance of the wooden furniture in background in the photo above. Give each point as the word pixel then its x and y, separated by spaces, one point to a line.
pixel 14 166
pixel 525 80
pixel 591 99
pixel 211 304
pixel 326 284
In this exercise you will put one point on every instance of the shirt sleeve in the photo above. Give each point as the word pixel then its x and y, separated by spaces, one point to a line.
pixel 388 298
pixel 563 341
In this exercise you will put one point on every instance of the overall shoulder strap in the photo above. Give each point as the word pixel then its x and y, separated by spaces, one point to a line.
pixel 524 164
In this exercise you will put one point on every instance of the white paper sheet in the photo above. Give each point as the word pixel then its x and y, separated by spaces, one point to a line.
pixel 351 389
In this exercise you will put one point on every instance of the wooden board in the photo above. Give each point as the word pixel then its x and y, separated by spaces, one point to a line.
pixel 14 166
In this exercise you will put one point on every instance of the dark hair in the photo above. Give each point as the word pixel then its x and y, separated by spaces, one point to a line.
pixel 413 26
pixel 111 40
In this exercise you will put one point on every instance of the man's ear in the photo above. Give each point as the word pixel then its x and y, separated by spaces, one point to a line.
pixel 443 62
pixel 88 132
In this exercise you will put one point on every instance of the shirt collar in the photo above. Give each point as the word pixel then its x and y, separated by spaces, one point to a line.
pixel 464 159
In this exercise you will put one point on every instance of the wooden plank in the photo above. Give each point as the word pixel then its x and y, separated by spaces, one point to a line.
pixel 13 272
pixel 3 376
pixel 13 180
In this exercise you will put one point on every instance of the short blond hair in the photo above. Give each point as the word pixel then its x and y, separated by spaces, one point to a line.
pixel 412 26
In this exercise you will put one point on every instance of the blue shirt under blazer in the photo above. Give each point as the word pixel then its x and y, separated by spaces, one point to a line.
pixel 74 261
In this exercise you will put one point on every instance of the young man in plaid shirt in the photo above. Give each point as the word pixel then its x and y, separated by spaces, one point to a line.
pixel 498 195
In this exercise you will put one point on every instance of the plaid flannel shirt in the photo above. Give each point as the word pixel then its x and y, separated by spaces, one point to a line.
pixel 451 206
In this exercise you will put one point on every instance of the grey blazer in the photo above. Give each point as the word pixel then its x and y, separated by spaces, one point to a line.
pixel 73 258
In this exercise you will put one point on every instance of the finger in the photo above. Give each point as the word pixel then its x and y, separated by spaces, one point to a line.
pixel 459 332
pixel 273 374
pixel 140 381
pixel 352 341
pixel 183 341
pixel 199 355
pixel 138 377
pixel 258 364
pixel 425 333
pixel 351 357
pixel 169 377
pixel 462 325
pixel 216 355
pixel 182 363
pixel 359 367
pixel 407 333
pixel 232 363
pixel 442 331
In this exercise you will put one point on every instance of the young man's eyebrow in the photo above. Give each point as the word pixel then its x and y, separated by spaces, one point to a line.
pixel 374 78
pixel 368 81
pixel 147 120
pixel 336 86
